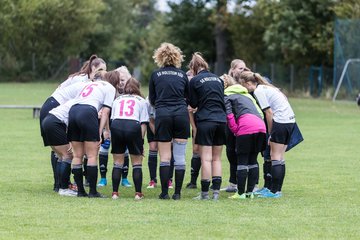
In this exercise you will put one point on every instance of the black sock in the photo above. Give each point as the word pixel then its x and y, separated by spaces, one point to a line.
pixel 267 173
pixel 152 164
pixel 137 177
pixel 253 176
pixel 78 177
pixel 64 173
pixel 179 178
pixel 103 162
pixel 195 168
pixel 54 160
pixel 242 174
pixel 125 169
pixel 231 156
pixel 283 174
pixel 216 182
pixel 92 172
pixel 164 177
pixel 116 177
pixel 205 184
pixel 85 161
pixel 276 173
pixel 171 170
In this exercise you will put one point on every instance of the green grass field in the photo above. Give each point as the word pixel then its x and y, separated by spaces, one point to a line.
pixel 321 197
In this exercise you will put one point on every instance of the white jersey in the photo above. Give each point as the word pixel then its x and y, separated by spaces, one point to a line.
pixel 150 108
pixel 63 92
pixel 130 107
pixel 70 92
pixel 96 94
pixel 62 111
pixel 271 97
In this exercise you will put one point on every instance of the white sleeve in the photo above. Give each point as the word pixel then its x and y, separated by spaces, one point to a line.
pixel 144 115
pixel 260 95
pixel 109 96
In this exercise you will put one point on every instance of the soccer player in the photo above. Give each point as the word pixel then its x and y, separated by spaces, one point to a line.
pixel 129 118
pixel 207 95
pixel 280 119
pixel 195 160
pixel 87 72
pixel 54 127
pixel 168 93
pixel 153 148
pixel 84 129
pixel 104 147
pixel 245 120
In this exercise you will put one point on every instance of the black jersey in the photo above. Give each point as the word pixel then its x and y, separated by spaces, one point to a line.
pixel 207 94
pixel 169 91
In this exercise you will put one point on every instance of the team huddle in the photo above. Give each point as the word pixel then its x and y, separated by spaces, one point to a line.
pixel 95 111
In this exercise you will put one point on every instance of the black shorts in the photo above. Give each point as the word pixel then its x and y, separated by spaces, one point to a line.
pixel 54 131
pixel 230 139
pixel 281 132
pixel 210 133
pixel 251 143
pixel 150 135
pixel 169 127
pixel 126 134
pixel 48 105
pixel 83 124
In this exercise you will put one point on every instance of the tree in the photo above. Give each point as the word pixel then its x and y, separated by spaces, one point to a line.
pixel 300 30
pixel 41 34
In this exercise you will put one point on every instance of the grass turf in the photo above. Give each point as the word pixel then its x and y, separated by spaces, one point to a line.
pixel 321 199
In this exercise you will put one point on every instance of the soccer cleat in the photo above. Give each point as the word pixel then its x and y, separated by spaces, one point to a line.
pixel 67 192
pixel 202 196
pixel 102 182
pixel 139 196
pixel 115 195
pixel 96 195
pixel 256 188
pixel 250 195
pixel 176 196
pixel 82 194
pixel 231 188
pixel 73 187
pixel 164 196
pixel 152 184
pixel 125 182
pixel 215 196
pixel 261 191
pixel 238 196
pixel 191 186
pixel 170 184
pixel 270 195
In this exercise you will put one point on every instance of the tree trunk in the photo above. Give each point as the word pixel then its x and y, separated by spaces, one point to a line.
pixel 220 37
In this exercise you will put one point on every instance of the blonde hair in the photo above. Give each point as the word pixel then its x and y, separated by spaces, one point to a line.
pixel 248 76
pixel 168 54
pixel 124 72
pixel 234 67
pixel 228 80
pixel 197 63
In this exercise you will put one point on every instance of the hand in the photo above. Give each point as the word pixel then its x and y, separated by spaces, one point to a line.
pixel 228 106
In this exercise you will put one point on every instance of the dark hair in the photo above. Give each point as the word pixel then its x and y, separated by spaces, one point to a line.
pixel 132 86
pixel 113 77
pixel 198 62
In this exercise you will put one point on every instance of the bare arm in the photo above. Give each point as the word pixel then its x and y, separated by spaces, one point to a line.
pixel 269 119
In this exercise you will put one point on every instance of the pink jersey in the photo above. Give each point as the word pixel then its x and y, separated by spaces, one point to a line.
pixel 245 124
pixel 130 107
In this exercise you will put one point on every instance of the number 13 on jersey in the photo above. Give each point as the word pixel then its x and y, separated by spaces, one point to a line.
pixel 126 107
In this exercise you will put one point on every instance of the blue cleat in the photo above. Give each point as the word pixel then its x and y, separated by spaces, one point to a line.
pixel 271 195
pixel 102 182
pixel 261 191
pixel 125 182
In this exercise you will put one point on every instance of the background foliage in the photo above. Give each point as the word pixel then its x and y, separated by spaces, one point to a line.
pixel 38 37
